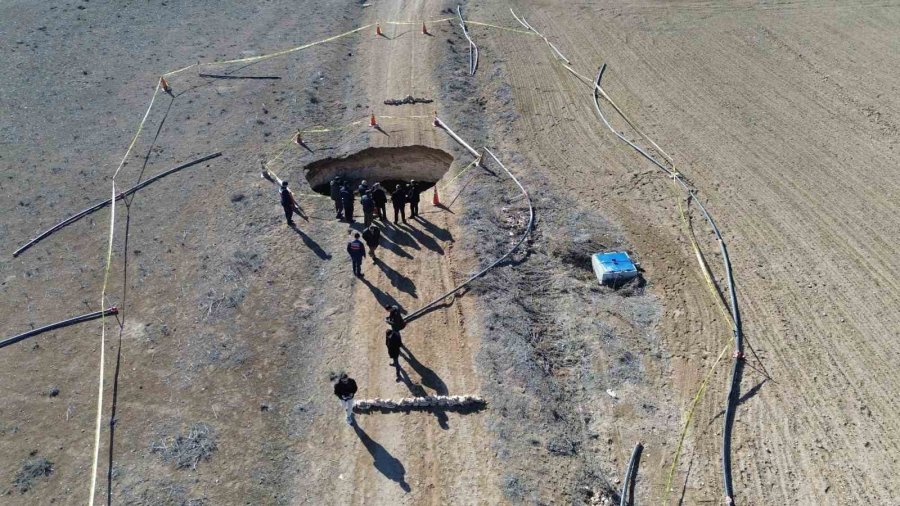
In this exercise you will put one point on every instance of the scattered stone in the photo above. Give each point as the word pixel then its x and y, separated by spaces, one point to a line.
pixel 409 99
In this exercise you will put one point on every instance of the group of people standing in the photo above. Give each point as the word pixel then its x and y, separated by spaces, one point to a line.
pixel 374 200
pixel 345 387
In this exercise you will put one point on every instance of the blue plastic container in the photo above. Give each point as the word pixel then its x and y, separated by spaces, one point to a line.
pixel 613 268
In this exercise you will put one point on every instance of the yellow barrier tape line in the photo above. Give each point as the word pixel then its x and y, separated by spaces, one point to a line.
pixel 704 267
pixel 319 129
pixel 460 173
pixel 138 132
pixel 417 22
pixel 516 30
pixel 690 417
pixel 112 225
pixel 172 73
pixel 288 51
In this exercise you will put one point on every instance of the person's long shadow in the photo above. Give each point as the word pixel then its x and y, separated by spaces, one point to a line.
pixel 441 234
pixel 419 391
pixel 425 240
pixel 429 378
pixel 382 298
pixel 387 464
pixel 400 236
pixel 313 245
pixel 398 281
pixel 393 248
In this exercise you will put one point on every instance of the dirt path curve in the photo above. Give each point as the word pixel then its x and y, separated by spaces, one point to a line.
pixel 420 457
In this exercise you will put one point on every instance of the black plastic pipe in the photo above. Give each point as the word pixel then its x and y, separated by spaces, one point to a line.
pixel 626 498
pixel 419 312
pixel 107 202
pixel 737 366
pixel 53 326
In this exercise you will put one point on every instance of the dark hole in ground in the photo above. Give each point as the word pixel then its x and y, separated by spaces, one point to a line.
pixel 387 166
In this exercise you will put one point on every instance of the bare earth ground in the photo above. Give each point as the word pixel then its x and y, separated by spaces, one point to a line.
pixel 784 115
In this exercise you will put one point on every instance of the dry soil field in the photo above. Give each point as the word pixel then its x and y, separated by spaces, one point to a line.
pixel 783 115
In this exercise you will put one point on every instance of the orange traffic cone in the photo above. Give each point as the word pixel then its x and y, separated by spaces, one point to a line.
pixel 297 138
pixel 378 29
pixel 165 85
pixel 435 200
pixel 372 121
pixel 424 29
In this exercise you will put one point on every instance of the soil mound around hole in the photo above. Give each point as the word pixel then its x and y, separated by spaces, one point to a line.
pixel 420 163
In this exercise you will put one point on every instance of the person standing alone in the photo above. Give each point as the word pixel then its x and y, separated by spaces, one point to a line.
pixel 287 202
pixel 394 342
pixel 357 252
pixel 345 389
pixel 372 236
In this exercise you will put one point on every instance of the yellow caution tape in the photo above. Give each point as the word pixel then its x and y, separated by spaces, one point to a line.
pixel 460 173
pixel 138 132
pixel 516 30
pixel 112 228
pixel 701 260
pixel 690 416
pixel 417 22
pixel 288 51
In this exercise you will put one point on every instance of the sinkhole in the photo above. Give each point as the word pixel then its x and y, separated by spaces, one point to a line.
pixel 388 166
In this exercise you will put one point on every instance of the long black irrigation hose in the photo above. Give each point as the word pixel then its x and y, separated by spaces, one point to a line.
pixel 626 498
pixel 53 326
pixel 734 389
pixel 105 203
pixel 415 314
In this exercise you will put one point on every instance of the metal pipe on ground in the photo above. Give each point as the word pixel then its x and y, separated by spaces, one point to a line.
pixel 105 203
pixel 53 326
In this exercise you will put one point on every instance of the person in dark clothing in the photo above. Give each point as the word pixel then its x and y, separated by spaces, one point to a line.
pixel 412 196
pixel 287 202
pixel 347 202
pixel 398 199
pixel 357 252
pixel 394 342
pixel 368 206
pixel 363 188
pixel 394 317
pixel 345 389
pixel 380 199
pixel 336 197
pixel 372 236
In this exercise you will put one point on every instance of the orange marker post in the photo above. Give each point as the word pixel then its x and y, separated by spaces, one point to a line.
pixel 424 29
pixel 372 122
pixel 435 200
